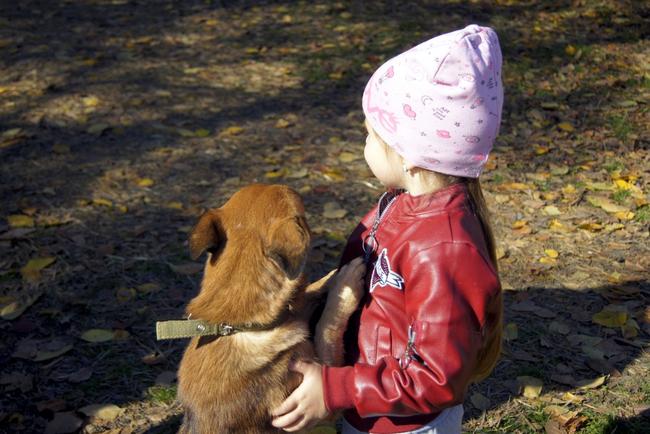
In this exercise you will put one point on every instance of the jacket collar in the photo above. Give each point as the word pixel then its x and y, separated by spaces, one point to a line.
pixel 443 200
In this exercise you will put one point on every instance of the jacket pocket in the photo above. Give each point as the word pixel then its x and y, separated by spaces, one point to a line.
pixel 383 347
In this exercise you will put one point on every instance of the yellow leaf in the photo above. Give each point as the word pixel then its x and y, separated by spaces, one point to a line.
pixel 32 270
pixel 552 210
pixel 568 189
pixel 125 294
pixel 555 225
pixel 282 123
pixel 333 175
pixel 570 397
pixel 174 205
pixel 611 316
pixel 565 126
pixel 90 101
pixel 276 173
pixel 623 185
pixel 105 412
pixel 514 186
pixel 98 335
pixel 232 131
pixel 624 215
pixel 20 221
pixel 532 387
pixel 16 308
pixel 570 50
pixel 336 75
pixel 590 226
pixel 591 384
pixel 42 355
pixel 102 202
pixel 145 182
pixel 202 132
pixel 551 253
pixel 97 128
pixel 547 260
pixel 605 204
pixel 347 157
pixel 184 132
pixel 518 224
pixel 60 148
pixel 510 332
pixel 147 288
pixel 541 150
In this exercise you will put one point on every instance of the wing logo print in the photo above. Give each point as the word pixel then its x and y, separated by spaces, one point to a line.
pixel 383 276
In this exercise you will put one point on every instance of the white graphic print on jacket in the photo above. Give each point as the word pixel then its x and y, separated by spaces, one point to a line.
pixel 383 276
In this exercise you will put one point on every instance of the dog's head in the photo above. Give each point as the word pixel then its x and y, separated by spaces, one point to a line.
pixel 257 245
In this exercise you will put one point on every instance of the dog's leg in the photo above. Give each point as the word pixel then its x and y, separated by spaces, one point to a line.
pixel 328 340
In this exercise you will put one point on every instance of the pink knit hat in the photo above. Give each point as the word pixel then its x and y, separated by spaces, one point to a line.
pixel 439 103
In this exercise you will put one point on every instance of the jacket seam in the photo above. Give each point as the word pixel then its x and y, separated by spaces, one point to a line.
pixel 458 243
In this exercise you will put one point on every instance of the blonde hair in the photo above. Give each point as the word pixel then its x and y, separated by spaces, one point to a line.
pixel 489 353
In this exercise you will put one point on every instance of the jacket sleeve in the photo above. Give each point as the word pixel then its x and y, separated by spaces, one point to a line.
pixel 448 291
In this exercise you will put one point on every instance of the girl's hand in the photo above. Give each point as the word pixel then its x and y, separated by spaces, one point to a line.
pixel 350 278
pixel 306 405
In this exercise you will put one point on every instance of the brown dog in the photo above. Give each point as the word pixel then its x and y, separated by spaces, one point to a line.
pixel 253 286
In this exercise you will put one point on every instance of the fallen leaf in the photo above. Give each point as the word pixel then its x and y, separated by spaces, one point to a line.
pixel 552 210
pixel 558 327
pixel 510 332
pixel 166 378
pixel 145 182
pixel 81 375
pixel 296 174
pixel 277 173
pixel 98 335
pixel 125 294
pixel 20 221
pixel 480 401
pixel 44 354
pixel 591 384
pixel 202 132
pixel 531 386
pixel 187 268
pixel 16 308
pixel 106 412
pixel 62 423
pixel 605 204
pixel 282 123
pixel 348 157
pixel 17 381
pixel 232 131
pixel 551 253
pixel 31 272
pixel 102 202
pixel 147 288
pixel 332 210
pixel 97 128
pixel 566 126
pixel 612 316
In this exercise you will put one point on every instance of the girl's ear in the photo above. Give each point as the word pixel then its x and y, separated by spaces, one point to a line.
pixel 208 234
pixel 289 240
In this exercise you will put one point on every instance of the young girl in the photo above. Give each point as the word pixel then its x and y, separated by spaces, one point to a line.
pixel 430 319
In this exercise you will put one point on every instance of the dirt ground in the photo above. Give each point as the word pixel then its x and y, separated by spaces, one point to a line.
pixel 121 121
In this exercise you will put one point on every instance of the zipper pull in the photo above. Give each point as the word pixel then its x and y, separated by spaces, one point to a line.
pixel 406 358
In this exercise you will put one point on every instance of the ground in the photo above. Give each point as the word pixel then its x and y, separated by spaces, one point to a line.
pixel 121 121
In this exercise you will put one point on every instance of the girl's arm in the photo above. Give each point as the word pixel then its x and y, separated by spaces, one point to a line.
pixel 450 290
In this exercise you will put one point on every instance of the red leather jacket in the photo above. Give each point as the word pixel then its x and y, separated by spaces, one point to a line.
pixel 412 346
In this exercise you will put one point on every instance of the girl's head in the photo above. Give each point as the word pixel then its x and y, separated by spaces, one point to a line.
pixel 438 105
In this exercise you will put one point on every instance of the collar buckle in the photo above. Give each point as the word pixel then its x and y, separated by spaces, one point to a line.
pixel 226 329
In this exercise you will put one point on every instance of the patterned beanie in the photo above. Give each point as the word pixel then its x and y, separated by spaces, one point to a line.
pixel 439 104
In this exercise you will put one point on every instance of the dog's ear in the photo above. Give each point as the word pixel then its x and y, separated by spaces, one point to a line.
pixel 208 234
pixel 289 242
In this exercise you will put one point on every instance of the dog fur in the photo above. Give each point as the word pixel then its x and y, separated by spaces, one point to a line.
pixel 258 244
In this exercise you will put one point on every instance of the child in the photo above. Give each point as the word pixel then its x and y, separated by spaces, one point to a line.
pixel 430 320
